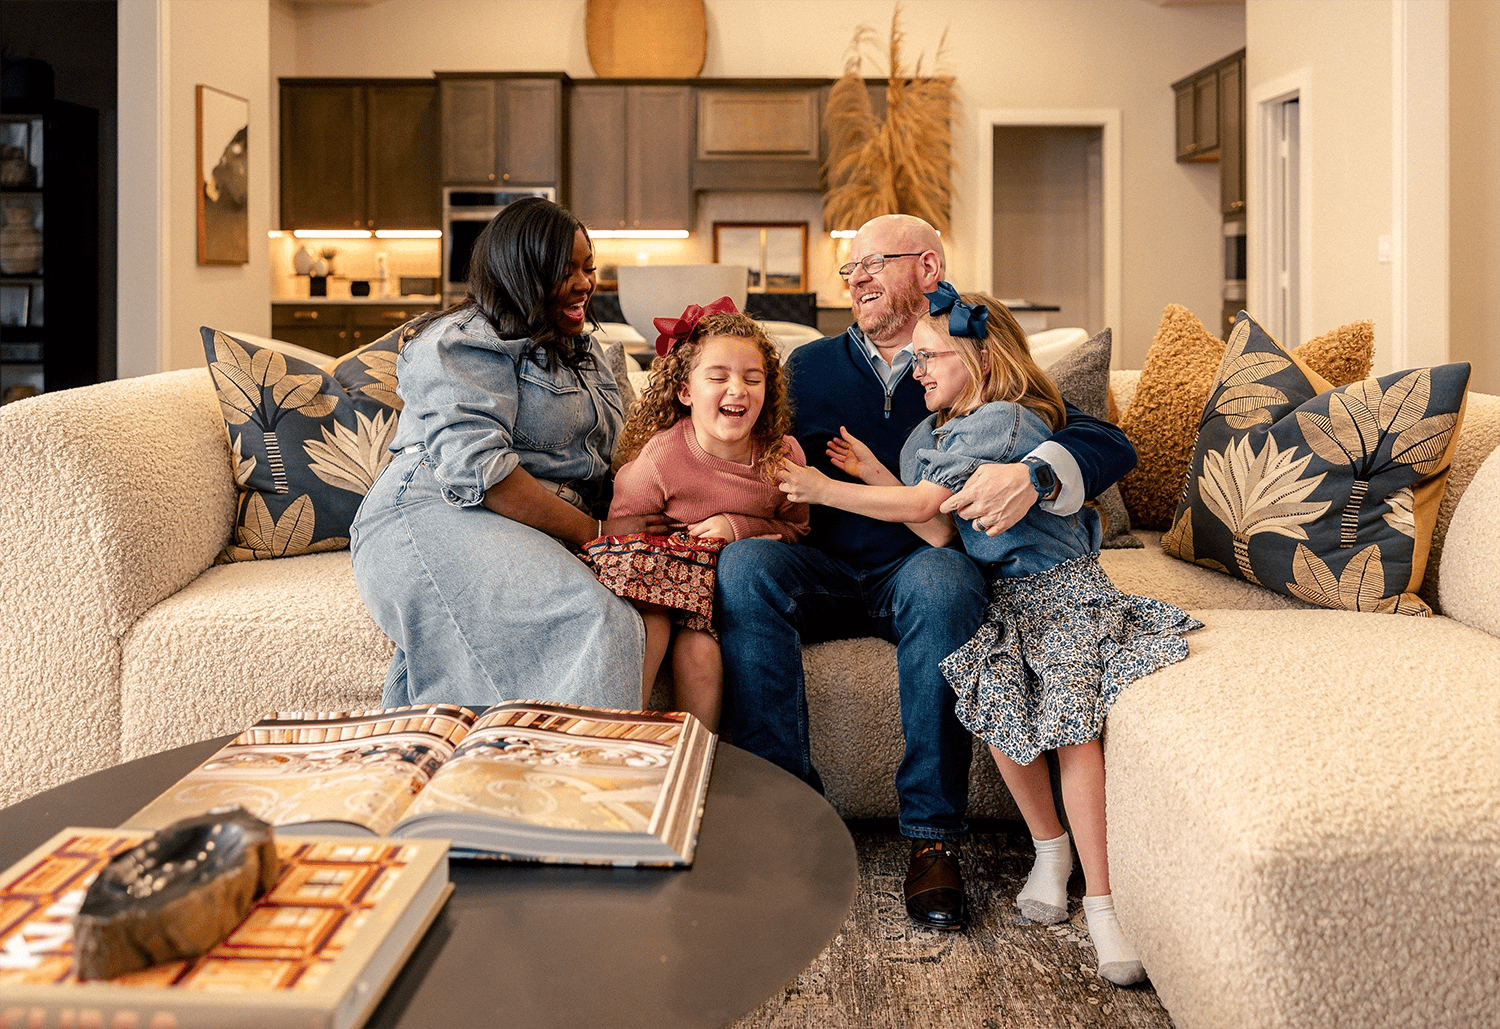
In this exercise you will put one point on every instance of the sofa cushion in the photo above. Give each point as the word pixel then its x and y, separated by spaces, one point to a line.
pixel 1470 579
pixel 1082 375
pixel 1329 495
pixel 1161 419
pixel 306 444
pixel 1304 822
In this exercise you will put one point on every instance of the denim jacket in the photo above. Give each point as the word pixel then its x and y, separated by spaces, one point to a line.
pixel 998 432
pixel 480 406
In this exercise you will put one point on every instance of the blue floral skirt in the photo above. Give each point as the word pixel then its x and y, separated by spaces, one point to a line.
pixel 1055 650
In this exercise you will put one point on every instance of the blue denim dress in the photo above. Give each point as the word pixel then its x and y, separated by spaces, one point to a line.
pixel 483 608
pixel 1059 642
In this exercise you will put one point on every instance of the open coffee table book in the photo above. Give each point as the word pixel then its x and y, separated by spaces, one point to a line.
pixel 318 949
pixel 523 781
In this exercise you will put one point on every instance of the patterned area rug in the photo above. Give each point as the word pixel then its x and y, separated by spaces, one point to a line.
pixel 882 971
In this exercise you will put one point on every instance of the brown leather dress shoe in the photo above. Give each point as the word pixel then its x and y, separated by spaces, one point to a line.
pixel 935 886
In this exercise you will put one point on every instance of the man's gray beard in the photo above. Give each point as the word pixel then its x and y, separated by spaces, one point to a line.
pixel 901 305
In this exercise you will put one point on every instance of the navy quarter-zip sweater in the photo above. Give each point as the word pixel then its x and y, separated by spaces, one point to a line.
pixel 831 384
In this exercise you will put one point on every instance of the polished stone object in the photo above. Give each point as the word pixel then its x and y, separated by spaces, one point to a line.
pixel 175 895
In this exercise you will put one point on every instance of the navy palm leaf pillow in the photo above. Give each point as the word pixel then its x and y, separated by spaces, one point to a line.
pixel 306 443
pixel 1327 495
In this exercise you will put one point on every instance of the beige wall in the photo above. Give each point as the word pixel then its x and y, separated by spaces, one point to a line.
pixel 1474 127
pixel 167 48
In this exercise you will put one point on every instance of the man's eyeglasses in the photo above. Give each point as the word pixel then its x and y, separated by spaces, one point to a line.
pixel 872 264
pixel 919 358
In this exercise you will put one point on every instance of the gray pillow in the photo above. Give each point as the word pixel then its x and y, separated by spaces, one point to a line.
pixel 1082 376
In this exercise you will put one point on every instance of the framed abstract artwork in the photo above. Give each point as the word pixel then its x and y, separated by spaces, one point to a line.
pixel 223 178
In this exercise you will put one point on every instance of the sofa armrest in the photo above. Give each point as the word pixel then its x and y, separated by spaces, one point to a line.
pixel 112 497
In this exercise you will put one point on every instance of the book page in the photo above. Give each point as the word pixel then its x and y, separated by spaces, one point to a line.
pixel 556 766
pixel 333 771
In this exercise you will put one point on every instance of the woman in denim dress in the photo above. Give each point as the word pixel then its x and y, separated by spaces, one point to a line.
pixel 1059 641
pixel 463 547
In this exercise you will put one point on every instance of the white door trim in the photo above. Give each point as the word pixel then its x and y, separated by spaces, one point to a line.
pixel 1107 119
pixel 1260 170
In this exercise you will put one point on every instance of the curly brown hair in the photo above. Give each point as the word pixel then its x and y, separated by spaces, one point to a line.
pixel 658 408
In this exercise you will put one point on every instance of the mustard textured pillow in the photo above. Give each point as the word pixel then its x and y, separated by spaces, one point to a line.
pixel 1329 495
pixel 1162 419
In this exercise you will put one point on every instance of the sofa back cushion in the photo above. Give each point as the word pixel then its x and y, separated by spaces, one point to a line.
pixel 1471 557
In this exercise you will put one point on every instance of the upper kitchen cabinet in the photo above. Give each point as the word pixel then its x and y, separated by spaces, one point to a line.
pixel 1232 136
pixel 759 137
pixel 501 128
pixel 358 153
pixel 630 156
pixel 1211 125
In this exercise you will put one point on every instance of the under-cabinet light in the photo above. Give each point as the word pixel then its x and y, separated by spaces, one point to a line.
pixel 408 234
pixel 638 233
pixel 331 233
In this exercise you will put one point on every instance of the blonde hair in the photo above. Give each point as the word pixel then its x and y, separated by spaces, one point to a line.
pixel 658 408
pixel 1009 374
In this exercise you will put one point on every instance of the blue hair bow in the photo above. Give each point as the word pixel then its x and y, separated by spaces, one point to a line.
pixel 971 320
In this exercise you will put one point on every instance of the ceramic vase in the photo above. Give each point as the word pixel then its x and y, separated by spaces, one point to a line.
pixel 20 243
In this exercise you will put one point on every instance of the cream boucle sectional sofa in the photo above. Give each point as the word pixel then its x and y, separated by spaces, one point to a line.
pixel 1304 815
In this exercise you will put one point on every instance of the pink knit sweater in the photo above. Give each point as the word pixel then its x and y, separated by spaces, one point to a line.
pixel 673 473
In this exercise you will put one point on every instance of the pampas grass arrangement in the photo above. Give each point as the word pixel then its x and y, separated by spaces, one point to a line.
pixel 902 165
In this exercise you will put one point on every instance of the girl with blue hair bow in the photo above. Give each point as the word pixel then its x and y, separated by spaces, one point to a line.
pixel 1059 641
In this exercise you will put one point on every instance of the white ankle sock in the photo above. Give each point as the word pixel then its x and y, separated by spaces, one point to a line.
pixel 1044 898
pixel 1118 961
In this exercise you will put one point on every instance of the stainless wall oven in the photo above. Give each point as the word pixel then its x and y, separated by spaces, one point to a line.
pixel 466 211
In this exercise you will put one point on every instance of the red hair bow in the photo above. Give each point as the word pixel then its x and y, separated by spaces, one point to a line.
pixel 675 330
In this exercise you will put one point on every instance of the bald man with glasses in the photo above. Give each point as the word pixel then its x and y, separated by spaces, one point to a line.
pixel 854 576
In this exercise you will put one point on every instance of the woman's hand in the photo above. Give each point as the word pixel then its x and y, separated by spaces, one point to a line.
pixel 716 527
pixel 803 484
pixel 852 457
pixel 653 524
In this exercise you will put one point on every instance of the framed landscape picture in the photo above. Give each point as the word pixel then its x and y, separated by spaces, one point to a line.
pixel 223 178
pixel 775 253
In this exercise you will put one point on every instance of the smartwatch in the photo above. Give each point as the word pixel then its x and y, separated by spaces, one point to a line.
pixel 1043 478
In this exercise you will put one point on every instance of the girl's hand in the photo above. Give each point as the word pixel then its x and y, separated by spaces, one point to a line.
pixel 717 527
pixel 654 524
pixel 850 456
pixel 803 484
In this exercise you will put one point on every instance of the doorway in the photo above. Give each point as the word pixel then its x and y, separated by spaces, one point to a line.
pixel 1278 192
pixel 1048 212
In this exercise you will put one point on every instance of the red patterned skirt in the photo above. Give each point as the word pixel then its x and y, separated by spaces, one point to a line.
pixel 674 571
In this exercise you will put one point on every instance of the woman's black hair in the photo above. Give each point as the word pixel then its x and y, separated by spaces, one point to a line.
pixel 517 263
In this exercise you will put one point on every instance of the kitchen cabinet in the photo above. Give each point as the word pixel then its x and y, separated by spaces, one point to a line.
pixel 759 137
pixel 630 156
pixel 358 154
pixel 500 128
pixel 49 246
pixel 335 329
pixel 1198 117
pixel 1232 137
pixel 1211 125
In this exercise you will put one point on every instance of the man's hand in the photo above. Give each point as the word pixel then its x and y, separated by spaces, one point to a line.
pixel 996 497
pixel 652 524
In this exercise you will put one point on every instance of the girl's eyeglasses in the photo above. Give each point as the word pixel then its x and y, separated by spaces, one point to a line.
pixel 919 358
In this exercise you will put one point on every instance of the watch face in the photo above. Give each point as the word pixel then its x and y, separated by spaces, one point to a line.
pixel 1042 478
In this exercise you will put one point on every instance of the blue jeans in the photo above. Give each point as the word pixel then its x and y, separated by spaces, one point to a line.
pixel 774 598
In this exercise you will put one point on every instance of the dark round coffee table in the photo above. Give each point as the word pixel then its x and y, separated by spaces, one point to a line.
pixel 566 946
